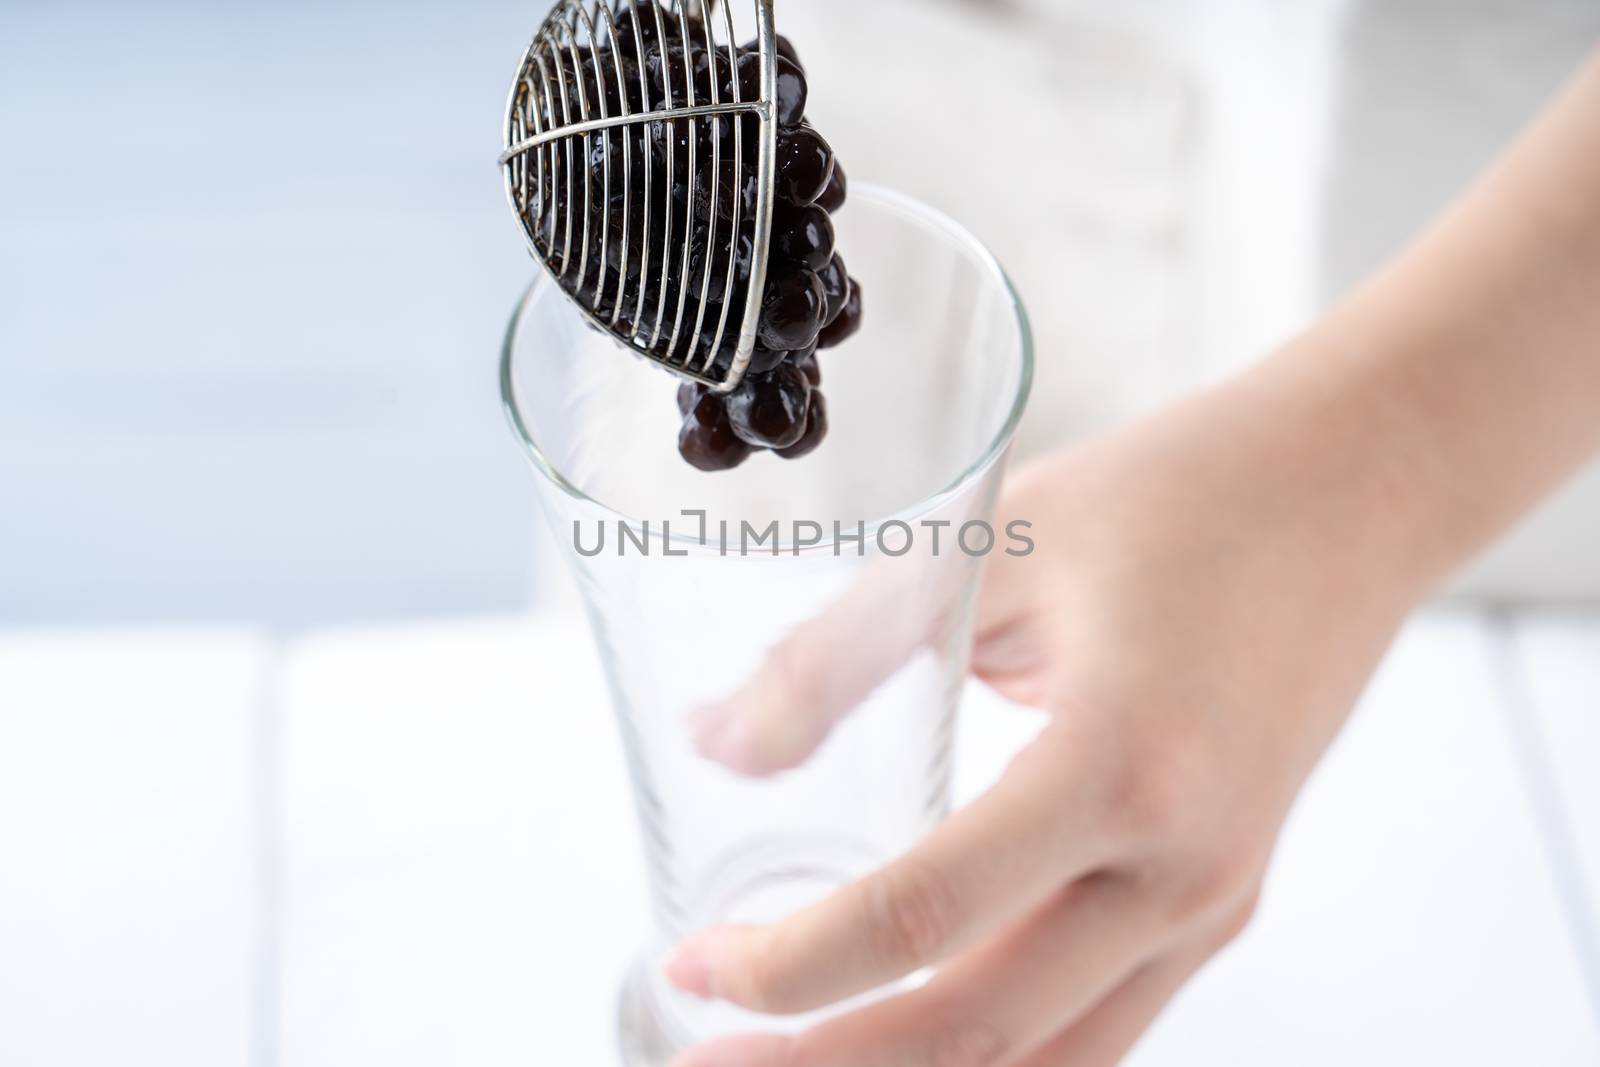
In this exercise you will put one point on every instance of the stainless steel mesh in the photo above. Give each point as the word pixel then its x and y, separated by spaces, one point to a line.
pixel 642 173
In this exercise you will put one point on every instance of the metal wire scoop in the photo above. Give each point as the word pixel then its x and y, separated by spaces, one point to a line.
pixel 640 156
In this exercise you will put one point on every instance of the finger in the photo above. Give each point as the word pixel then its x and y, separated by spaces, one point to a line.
pixel 980 871
pixel 1104 1036
pixel 1016 597
pixel 1017 662
pixel 820 672
pixel 1011 586
pixel 991 1007
pixel 830 664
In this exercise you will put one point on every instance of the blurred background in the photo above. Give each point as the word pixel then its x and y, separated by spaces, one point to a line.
pixel 278 755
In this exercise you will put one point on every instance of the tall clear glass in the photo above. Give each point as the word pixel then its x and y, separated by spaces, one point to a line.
pixel 786 697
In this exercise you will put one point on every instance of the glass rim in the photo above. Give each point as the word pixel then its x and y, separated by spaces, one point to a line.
pixel 884 197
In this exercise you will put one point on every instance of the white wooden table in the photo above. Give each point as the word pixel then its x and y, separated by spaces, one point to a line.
pixel 414 846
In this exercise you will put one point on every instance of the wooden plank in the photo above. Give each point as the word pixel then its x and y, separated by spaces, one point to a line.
pixel 129 900
pixel 1412 916
pixel 465 884
pixel 463 875
pixel 1556 663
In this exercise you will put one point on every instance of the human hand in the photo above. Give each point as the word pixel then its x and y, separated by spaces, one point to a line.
pixel 1210 592
pixel 1204 606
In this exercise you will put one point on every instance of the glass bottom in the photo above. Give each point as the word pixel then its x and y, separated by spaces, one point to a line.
pixel 761 882
pixel 642 1031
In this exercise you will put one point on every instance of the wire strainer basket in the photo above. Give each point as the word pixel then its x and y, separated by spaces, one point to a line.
pixel 640 154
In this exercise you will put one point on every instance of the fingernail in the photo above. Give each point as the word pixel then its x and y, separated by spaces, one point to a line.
pixel 690 971
pixel 694 967
pixel 708 719
pixel 723 735
pixel 706 726
pixel 731 746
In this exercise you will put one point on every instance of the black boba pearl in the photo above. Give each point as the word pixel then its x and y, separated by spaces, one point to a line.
pixel 709 67
pixel 804 236
pixel 729 195
pixel 836 287
pixel 671 138
pixel 765 359
pixel 615 145
pixel 807 362
pixel 718 290
pixel 689 396
pixel 647 31
pixel 793 90
pixel 788 51
pixel 707 440
pixel 785 48
pixel 792 93
pixel 805 165
pixel 661 63
pixel 631 33
pixel 600 73
pixel 838 191
pixel 748 76
pixel 769 410
pixel 845 326
pixel 791 310
pixel 816 429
